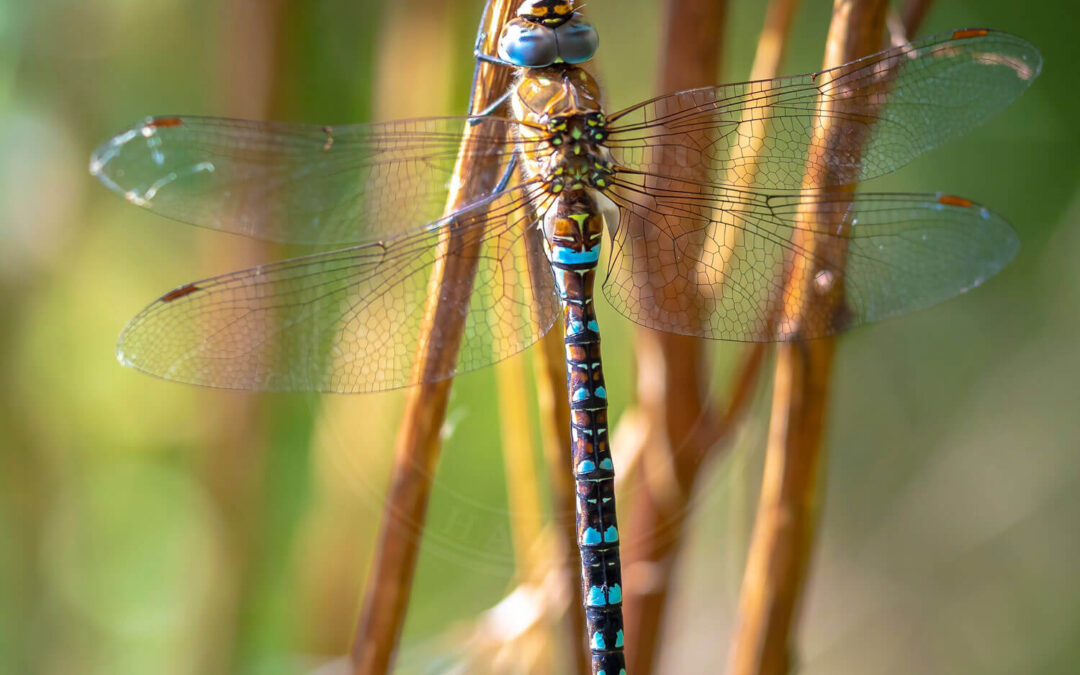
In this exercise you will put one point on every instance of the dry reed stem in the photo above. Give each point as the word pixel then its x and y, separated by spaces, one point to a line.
pixel 233 466
pixel 675 416
pixel 522 491
pixel 658 518
pixel 555 435
pixel 417 451
pixel 912 15
pixel 787 512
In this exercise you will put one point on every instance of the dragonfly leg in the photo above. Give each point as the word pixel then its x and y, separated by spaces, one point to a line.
pixel 491 108
pixel 506 175
pixel 479 55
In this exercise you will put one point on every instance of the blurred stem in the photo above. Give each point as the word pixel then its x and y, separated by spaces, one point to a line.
pixel 788 507
pixel 419 442
pixel 677 424
pixel 521 479
pixel 913 14
pixel 235 464
pixel 555 432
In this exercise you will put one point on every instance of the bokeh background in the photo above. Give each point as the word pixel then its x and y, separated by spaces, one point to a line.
pixel 148 527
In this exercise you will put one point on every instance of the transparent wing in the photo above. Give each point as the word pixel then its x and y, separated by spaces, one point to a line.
pixel 351 320
pixel 296 183
pixel 883 110
pixel 712 261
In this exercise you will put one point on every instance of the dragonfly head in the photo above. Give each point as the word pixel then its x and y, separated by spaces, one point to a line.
pixel 550 13
pixel 547 32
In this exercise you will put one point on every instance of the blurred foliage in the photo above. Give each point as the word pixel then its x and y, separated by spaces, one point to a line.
pixel 147 527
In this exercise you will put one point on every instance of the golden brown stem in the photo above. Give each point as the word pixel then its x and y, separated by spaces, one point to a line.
pixel 681 430
pixel 233 465
pixel 787 512
pixel 555 434
pixel 677 420
pixel 913 14
pixel 522 482
pixel 418 444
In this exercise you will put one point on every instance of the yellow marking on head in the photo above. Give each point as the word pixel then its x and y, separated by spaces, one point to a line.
pixel 580 218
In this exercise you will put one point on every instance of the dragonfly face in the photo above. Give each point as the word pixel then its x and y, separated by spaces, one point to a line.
pixel 547 32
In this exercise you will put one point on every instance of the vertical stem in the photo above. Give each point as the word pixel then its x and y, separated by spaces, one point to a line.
pixel 418 445
pixel 658 519
pixel 913 14
pixel 555 432
pixel 233 467
pixel 672 380
pixel 521 480
pixel 788 508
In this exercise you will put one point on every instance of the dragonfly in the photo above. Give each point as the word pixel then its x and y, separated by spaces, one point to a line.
pixel 713 200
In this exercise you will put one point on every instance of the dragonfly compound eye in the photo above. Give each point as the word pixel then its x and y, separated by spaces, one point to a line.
pixel 576 40
pixel 528 45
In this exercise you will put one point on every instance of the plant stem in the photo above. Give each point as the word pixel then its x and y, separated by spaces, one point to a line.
pixel 522 482
pixel 555 432
pixel 788 507
pixel 419 442
pixel 674 413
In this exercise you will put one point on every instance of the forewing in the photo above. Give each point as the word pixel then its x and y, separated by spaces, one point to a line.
pixel 297 183
pixel 882 111
pixel 352 320
pixel 716 262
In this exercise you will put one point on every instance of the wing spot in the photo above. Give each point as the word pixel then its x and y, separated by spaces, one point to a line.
pixel 952 200
pixel 179 292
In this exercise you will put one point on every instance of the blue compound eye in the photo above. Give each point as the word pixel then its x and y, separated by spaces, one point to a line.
pixel 577 40
pixel 527 44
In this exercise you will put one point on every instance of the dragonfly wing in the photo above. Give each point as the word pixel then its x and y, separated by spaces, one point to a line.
pixel 296 183
pixel 719 263
pixel 883 111
pixel 352 320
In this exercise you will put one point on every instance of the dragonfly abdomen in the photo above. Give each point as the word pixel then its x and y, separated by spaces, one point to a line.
pixel 574 228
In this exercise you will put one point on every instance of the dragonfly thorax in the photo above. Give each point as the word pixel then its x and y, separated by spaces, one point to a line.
pixel 560 111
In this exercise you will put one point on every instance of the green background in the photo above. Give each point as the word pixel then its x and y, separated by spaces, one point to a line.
pixel 149 527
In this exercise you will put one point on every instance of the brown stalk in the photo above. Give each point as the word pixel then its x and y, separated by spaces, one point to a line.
pixel 522 491
pixel 232 467
pixel 681 429
pixel 911 17
pixel 788 507
pixel 555 435
pixel 418 444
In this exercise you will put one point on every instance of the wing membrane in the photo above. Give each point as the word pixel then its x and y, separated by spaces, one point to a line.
pixel 712 261
pixel 883 111
pixel 351 320
pixel 295 183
